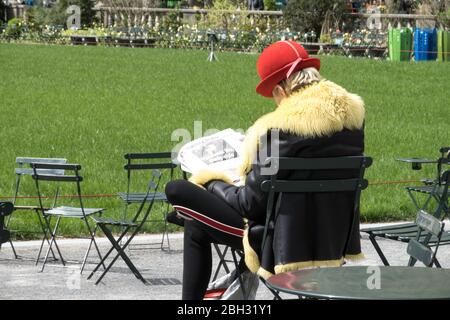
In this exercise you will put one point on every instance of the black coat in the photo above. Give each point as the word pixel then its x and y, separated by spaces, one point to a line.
pixel 322 120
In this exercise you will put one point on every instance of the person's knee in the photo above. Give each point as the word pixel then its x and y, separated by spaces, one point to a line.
pixel 174 190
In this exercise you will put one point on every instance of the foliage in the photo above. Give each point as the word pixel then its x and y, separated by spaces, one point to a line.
pixel 56 15
pixel 308 15
pixel 15 28
pixel 217 18
pixel 444 18
pixel 270 5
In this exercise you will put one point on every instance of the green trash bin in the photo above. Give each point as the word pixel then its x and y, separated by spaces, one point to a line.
pixel 443 45
pixel 400 44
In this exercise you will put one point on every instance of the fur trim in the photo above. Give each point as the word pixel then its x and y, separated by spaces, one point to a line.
pixel 203 177
pixel 308 264
pixel 263 273
pixel 318 110
pixel 251 257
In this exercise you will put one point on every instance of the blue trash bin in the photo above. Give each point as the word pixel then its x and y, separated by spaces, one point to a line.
pixel 425 44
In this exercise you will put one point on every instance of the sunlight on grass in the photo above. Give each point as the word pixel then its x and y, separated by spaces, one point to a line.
pixel 92 105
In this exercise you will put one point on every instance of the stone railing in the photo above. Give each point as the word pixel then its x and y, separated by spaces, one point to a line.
pixel 150 16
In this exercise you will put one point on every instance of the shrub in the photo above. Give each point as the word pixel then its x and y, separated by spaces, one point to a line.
pixel 15 28
pixel 444 18
pixel 308 15
pixel 270 5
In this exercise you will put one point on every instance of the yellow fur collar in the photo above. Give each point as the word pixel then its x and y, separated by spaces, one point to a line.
pixel 321 109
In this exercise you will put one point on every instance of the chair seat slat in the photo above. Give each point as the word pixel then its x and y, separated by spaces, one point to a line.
pixel 313 186
pixel 148 166
pixel 27 171
pixel 156 155
pixel 320 163
pixel 138 197
pixel 28 160
pixel 72 211
pixel 50 177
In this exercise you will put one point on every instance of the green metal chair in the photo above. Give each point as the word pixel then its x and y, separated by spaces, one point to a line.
pixel 418 248
pixel 428 183
pixel 408 231
pixel 22 170
pixel 135 224
pixel 143 162
pixel 436 190
pixel 274 187
pixel 64 212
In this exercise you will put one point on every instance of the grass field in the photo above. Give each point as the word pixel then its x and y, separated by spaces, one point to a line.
pixel 92 105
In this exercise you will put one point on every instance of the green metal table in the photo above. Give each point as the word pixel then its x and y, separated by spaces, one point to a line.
pixel 365 283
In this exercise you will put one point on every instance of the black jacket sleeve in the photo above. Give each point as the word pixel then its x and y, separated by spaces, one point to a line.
pixel 249 200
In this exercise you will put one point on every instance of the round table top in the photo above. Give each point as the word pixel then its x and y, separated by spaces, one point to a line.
pixel 365 282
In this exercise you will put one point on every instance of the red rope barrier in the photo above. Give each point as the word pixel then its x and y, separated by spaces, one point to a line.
pixel 374 183
pixel 63 196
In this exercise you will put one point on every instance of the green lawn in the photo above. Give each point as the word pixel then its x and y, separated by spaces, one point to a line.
pixel 94 104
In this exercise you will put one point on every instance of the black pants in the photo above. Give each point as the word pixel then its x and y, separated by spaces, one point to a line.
pixel 210 220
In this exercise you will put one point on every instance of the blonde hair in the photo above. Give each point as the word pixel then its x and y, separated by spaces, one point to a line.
pixel 300 79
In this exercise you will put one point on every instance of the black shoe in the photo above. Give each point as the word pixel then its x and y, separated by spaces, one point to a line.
pixel 174 218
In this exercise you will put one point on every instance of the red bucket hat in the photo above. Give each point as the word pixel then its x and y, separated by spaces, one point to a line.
pixel 278 61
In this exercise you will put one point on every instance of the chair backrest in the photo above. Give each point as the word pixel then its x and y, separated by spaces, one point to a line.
pixel 275 186
pixel 418 248
pixel 148 161
pixel 46 172
pixel 152 188
pixel 23 168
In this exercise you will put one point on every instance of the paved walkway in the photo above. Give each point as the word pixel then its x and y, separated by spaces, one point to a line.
pixel 21 279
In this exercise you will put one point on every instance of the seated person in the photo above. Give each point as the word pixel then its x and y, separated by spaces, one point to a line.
pixel 314 118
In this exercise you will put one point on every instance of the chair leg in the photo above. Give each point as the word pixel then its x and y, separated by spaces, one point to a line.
pixel 416 204
pixel 222 261
pixel 92 236
pixel 165 231
pixel 378 249
pixel 124 216
pixel 45 238
pixel 436 263
pixel 121 253
pixel 8 219
pixel 119 240
pixel 53 235
pixel 12 248
pixel 239 275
